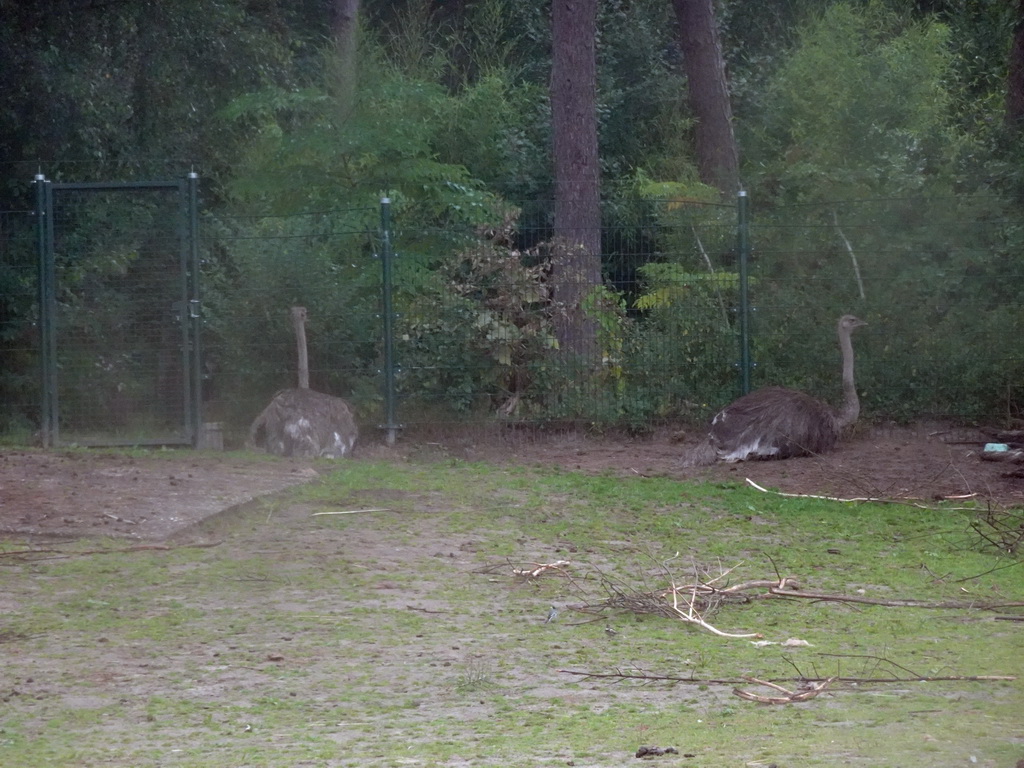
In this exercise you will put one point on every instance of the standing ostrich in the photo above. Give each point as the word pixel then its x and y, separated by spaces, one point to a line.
pixel 302 422
pixel 779 423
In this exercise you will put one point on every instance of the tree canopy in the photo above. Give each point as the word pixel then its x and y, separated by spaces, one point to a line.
pixel 446 109
pixel 123 86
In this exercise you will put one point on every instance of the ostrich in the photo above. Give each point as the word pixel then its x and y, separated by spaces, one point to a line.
pixel 303 422
pixel 779 423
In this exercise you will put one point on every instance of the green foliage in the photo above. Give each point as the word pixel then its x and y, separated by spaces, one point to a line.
pixel 668 284
pixel 644 121
pixel 480 328
pixel 603 398
pixel 110 91
pixel 308 155
pixel 305 158
pixel 411 134
pixel 860 107
pixel 18 321
pixel 257 269
pixel 679 346
pixel 834 99
pixel 944 334
pixel 681 352
pixel 119 88
pixel 675 194
pixel 488 129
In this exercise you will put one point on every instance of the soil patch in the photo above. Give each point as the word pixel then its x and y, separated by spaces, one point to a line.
pixel 89 493
pixel 923 462
pixel 377 639
pixel 99 493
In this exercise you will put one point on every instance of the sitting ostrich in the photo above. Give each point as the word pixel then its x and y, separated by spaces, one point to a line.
pixel 302 422
pixel 778 423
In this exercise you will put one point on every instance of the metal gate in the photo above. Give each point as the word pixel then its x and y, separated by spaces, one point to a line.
pixel 119 312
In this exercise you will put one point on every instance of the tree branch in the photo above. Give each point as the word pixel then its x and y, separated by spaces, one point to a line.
pixel 942 605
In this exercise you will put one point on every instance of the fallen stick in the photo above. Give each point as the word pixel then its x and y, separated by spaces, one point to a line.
pixel 645 677
pixel 349 512
pixel 691 616
pixel 949 605
pixel 558 565
pixel 762 489
pixel 861 499
pixel 791 697
pixel 120 519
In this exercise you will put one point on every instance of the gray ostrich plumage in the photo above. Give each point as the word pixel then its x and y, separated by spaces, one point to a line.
pixel 301 421
pixel 779 423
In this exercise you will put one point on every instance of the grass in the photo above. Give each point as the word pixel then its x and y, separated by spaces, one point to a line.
pixel 401 637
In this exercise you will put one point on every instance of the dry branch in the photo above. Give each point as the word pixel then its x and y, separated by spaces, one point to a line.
pixel 910 675
pixel 801 680
pixel 350 511
pixel 1002 529
pixel 692 615
pixel 942 605
pixel 527 571
pixel 695 602
pixel 849 250
pixel 791 697
pixel 540 569
pixel 649 678
pixel 691 603
pixel 862 499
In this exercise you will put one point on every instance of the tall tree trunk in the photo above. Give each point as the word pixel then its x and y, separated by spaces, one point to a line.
pixel 576 267
pixel 345 27
pixel 717 154
pixel 1015 74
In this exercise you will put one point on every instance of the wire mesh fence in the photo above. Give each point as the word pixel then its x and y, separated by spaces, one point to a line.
pixel 937 279
pixel 118 313
pixel 255 268
pixel 474 312
pixel 20 368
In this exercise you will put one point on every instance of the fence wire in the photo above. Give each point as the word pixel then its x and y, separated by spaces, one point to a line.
pixel 480 321
pixel 20 366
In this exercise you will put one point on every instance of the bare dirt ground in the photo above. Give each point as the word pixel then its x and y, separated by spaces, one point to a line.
pixel 244 628
pixel 102 493
pixel 150 497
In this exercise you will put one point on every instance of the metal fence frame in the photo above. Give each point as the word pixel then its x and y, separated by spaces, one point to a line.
pixel 749 343
pixel 187 306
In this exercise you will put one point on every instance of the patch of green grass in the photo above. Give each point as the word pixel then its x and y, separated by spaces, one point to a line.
pixel 403 636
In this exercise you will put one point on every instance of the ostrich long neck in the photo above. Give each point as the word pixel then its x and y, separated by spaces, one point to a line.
pixel 850 409
pixel 299 323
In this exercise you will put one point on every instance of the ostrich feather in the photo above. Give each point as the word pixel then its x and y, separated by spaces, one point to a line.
pixel 302 421
pixel 779 423
pixel 307 423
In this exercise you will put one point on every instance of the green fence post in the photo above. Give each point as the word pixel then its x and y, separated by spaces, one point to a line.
pixel 195 318
pixel 743 246
pixel 386 259
pixel 47 312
